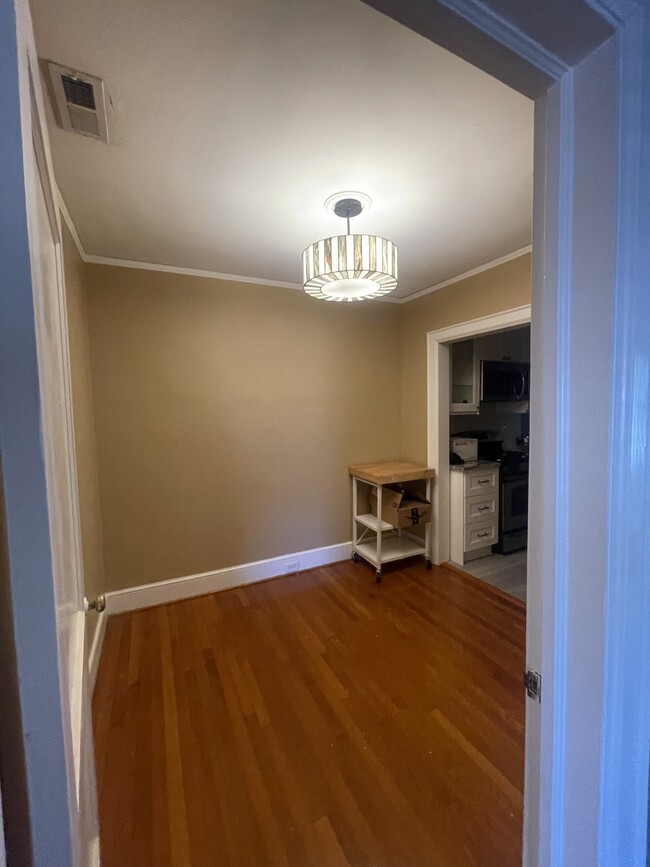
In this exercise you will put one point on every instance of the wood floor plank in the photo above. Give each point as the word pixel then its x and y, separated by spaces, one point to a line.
pixel 317 720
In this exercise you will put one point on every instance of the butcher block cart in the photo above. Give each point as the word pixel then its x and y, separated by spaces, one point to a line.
pixel 375 539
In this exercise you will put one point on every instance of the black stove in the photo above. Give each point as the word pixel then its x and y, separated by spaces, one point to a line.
pixel 513 502
pixel 513 464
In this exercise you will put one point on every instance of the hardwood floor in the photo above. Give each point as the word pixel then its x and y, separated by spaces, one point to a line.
pixel 317 719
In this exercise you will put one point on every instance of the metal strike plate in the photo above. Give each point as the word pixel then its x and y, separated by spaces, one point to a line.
pixel 533 684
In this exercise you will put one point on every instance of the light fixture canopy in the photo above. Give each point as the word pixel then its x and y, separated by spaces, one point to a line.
pixel 349 267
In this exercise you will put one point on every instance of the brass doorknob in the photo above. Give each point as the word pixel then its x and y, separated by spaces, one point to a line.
pixel 98 604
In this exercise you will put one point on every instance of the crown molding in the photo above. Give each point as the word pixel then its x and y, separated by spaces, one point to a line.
pixel 154 266
pixel 482 16
pixel 259 281
pixel 616 12
pixel 522 251
pixel 190 272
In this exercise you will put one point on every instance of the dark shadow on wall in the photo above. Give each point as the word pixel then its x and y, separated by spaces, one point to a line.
pixel 13 778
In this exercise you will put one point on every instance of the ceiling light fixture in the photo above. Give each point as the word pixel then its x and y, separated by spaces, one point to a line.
pixel 349 267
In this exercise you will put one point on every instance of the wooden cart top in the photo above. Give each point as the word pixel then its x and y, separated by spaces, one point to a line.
pixel 388 472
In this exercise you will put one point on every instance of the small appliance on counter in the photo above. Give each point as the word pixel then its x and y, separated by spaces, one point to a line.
pixel 463 450
pixel 488 447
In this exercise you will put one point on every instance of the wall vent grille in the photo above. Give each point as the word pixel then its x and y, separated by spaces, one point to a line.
pixel 79 101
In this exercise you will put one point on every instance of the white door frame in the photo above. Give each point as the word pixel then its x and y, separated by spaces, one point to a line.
pixel 587 743
pixel 438 405
pixel 73 662
pixel 59 763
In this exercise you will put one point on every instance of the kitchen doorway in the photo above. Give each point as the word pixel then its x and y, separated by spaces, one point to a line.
pixel 489 425
pixel 439 345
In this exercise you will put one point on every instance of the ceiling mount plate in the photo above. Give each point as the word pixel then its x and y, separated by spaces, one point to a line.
pixel 361 200
pixel 348 208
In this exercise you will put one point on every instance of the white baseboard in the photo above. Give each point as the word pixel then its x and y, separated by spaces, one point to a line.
pixel 174 589
pixel 94 859
pixel 96 649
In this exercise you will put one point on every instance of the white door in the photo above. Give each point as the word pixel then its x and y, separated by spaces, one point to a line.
pixel 58 446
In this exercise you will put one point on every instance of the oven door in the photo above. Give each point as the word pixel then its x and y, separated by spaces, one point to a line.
pixel 514 504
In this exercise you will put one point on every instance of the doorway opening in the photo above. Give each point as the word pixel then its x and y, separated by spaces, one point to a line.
pixel 446 418
pixel 489 426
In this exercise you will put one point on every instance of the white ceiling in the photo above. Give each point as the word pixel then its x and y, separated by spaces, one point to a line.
pixel 233 120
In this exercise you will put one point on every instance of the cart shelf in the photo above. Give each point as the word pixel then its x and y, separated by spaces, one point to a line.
pixel 373 523
pixel 388 543
pixel 392 548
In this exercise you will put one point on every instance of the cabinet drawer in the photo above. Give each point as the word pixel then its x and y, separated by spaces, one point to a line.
pixel 481 481
pixel 482 507
pixel 480 535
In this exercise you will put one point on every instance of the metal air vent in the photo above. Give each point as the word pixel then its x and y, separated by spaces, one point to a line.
pixel 79 100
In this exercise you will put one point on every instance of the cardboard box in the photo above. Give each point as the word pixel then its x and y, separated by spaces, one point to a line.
pixel 401 508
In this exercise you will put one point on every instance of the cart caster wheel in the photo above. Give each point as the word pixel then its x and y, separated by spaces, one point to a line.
pixel 429 564
pixel 355 557
pixel 378 577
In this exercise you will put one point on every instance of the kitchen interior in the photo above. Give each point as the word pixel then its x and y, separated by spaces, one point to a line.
pixel 489 425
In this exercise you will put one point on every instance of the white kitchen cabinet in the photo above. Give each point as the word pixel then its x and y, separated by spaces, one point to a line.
pixel 474 511
pixel 481 480
pixel 464 379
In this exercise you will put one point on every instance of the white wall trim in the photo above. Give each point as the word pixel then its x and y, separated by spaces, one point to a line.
pixel 259 281
pixel 513 318
pixel 522 251
pixel 483 16
pixel 161 592
pixel 624 825
pixel 616 12
pixel 94 856
pixel 189 272
pixel 67 219
pixel 438 409
pixel 96 649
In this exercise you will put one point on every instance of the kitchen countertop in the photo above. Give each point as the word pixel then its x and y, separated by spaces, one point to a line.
pixel 473 465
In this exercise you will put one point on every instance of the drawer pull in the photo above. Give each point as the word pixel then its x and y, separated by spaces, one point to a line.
pixel 483 509
pixel 481 535
pixel 485 481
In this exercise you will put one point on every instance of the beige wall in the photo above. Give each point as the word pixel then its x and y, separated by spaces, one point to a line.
pixel 501 288
pixel 226 417
pixel 223 416
pixel 84 422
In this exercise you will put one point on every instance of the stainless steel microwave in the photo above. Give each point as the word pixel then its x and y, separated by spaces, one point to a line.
pixel 504 381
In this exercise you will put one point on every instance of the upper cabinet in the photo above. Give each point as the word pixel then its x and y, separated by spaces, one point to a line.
pixel 465 379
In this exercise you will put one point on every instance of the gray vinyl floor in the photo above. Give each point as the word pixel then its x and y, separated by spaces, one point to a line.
pixel 505 571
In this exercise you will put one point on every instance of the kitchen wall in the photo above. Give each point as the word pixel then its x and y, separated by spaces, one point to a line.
pixel 504 421
pixel 506 426
pixel 501 288
pixel 84 423
pixel 227 415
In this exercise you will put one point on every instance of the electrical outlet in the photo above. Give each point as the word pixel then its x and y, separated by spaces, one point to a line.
pixel 292 566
